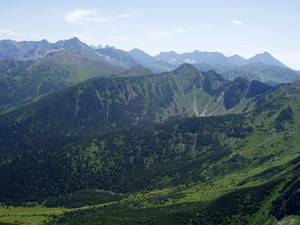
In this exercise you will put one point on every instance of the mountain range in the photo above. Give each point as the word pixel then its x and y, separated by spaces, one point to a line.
pixel 92 135
pixel 164 62
pixel 33 50
pixel 197 57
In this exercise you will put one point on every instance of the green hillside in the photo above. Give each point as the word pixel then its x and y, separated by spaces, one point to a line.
pixel 105 104
pixel 133 72
pixel 7 66
pixel 56 71
pixel 255 181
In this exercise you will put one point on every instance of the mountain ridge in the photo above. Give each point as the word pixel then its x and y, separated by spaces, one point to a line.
pixel 33 50
pixel 229 67
pixel 37 49
pixel 109 103
pixel 267 59
pixel 197 57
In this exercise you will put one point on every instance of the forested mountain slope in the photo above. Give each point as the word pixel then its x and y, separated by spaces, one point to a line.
pixel 104 104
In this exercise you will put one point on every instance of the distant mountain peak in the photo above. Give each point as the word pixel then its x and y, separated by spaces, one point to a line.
pixel 168 53
pixel 266 53
pixel 44 41
pixel 267 59
pixel 141 56
pixel 136 50
pixel 186 66
pixel 94 47
pixel 236 56
pixel 171 52
pixel 110 47
pixel 73 40
pixel 70 43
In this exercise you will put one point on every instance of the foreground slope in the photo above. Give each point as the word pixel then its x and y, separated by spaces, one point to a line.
pixel 233 169
pixel 230 169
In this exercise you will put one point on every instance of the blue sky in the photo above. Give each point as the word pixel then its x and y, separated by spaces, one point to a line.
pixel 229 26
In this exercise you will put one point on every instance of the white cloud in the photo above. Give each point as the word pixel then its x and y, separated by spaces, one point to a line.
pixel 9 33
pixel 82 16
pixel 238 22
pixel 190 61
pixel 120 38
pixel 163 33
pixel 126 15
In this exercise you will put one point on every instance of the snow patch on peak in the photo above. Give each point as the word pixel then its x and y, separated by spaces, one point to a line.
pixel 190 61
